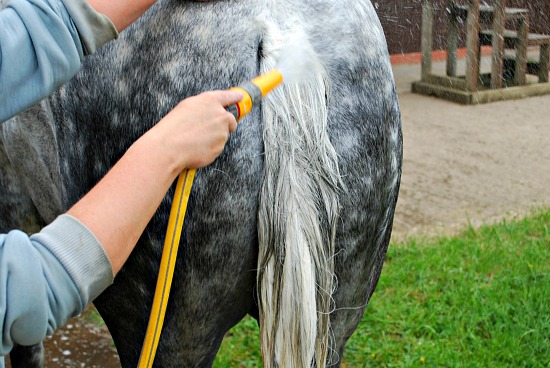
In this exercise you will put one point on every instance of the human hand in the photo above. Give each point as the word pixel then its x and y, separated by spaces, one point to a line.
pixel 194 133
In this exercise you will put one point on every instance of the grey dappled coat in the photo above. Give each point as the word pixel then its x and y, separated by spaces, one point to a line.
pixel 290 224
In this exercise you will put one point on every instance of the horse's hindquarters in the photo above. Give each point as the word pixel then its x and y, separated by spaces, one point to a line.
pixel 183 48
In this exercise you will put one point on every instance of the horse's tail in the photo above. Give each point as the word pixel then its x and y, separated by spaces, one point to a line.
pixel 297 218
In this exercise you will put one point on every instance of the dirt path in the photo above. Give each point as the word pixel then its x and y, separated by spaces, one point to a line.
pixel 469 163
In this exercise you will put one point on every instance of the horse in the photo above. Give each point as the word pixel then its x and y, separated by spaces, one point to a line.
pixel 290 224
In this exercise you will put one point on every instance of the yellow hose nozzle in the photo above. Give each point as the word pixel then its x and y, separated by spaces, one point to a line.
pixel 268 81
pixel 253 92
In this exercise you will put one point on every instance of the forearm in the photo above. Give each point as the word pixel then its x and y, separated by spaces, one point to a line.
pixel 119 207
pixel 47 278
pixel 123 12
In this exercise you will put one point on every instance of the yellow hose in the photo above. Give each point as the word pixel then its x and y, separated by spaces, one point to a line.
pixel 167 265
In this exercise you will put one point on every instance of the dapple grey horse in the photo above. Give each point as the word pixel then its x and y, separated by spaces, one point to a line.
pixel 290 224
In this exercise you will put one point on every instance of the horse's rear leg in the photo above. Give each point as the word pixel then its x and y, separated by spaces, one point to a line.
pixel 27 356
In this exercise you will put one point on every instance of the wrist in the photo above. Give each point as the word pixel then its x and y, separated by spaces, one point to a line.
pixel 160 150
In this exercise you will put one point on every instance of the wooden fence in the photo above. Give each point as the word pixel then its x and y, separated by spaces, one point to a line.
pixel 402 21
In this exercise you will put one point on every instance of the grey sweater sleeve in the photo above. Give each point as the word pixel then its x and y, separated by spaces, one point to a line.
pixel 47 278
pixel 42 43
pixel 94 29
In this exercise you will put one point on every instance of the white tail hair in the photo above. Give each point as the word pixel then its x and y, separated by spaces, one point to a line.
pixel 297 216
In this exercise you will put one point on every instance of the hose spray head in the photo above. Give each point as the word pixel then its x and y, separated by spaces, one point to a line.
pixel 253 91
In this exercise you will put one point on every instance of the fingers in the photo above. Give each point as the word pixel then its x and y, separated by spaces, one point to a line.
pixel 232 123
pixel 227 98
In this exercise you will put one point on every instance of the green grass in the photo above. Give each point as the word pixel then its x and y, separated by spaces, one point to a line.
pixel 479 299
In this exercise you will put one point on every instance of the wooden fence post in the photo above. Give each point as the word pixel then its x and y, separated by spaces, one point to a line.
pixel 427 38
pixel 452 40
pixel 472 46
pixel 498 43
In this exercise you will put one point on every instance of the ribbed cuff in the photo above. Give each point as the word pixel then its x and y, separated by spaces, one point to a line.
pixel 94 29
pixel 79 251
